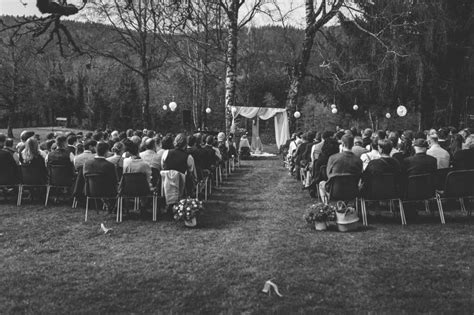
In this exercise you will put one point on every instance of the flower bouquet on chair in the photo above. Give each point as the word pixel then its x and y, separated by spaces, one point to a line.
pixel 347 218
pixel 320 214
pixel 187 210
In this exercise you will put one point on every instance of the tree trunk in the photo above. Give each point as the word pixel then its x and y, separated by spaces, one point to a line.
pixel 231 61
pixel 10 125
pixel 146 102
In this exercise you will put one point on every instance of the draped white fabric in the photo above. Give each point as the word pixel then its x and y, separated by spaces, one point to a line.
pixel 282 132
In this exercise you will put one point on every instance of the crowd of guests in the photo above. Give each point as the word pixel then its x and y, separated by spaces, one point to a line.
pixel 319 156
pixel 113 153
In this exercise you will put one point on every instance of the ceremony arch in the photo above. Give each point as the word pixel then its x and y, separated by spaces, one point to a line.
pixel 282 130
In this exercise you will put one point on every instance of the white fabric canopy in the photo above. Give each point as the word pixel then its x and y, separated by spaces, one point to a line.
pixel 282 131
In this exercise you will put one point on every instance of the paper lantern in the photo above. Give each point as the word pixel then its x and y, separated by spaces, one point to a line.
pixel 208 110
pixel 333 106
pixel 173 106
pixel 165 107
pixel 388 115
pixel 401 110
pixel 355 107
pixel 297 114
pixel 334 110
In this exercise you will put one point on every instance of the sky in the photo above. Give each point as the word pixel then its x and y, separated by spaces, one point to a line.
pixel 290 8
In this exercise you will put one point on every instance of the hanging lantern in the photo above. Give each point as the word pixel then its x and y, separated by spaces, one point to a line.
pixel 388 116
pixel 401 110
pixel 333 106
pixel 208 110
pixel 334 110
pixel 173 106
pixel 297 114
pixel 165 107
pixel 355 107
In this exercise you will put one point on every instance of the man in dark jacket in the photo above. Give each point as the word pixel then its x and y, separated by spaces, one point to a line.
pixel 420 163
pixel 8 168
pixel 99 165
pixel 464 159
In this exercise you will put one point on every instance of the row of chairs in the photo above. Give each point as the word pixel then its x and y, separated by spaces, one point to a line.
pixel 457 185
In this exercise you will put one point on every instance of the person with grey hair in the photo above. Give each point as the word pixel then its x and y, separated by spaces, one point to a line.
pixel 178 159
pixel 149 155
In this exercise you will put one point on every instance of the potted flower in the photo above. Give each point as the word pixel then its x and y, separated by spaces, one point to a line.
pixel 318 215
pixel 187 210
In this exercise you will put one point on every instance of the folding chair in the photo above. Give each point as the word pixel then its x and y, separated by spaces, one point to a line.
pixel 30 177
pixel 135 185
pixel 380 188
pixel 98 186
pixel 458 185
pixel 421 188
pixel 440 177
pixel 8 181
pixel 59 176
pixel 79 187
pixel 344 188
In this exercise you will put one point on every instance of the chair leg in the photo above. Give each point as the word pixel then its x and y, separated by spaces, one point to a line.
pixel 48 188
pixel 391 205
pixel 154 207
pixel 20 193
pixel 440 209
pixel 73 203
pixel 463 207
pixel 363 211
pixel 205 189
pixel 119 201
pixel 197 191
pixel 427 206
pixel 402 212
pixel 87 208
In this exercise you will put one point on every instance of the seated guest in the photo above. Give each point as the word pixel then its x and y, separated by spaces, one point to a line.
pixel 149 155
pixel 9 148
pixel 196 153
pixel 372 155
pixel 317 148
pixel 224 151
pixel 441 155
pixel 60 156
pixel 384 165
pixel 71 143
pixel 99 165
pixel 456 144
pixel 8 168
pixel 134 164
pixel 177 159
pixel 87 155
pixel 344 163
pixel 117 150
pixel 25 135
pixel 330 147
pixel 420 163
pixel 210 157
pixel 443 138
pixel 31 155
pixel 358 148
pixel 244 147
pixel 367 138
pixel 464 159
pixel 231 146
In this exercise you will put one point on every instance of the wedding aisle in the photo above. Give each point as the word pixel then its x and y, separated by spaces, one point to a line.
pixel 252 230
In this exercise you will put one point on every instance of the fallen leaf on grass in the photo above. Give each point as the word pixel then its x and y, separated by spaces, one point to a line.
pixel 267 288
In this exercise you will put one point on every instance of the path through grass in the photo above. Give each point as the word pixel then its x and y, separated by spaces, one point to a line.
pixel 252 230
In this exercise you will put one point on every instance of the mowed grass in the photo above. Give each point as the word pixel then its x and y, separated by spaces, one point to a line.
pixel 252 230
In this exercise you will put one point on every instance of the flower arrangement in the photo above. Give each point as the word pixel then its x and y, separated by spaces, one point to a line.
pixel 320 212
pixel 187 209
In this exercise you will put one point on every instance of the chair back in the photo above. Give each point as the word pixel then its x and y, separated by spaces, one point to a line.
pixel 323 172
pixel 79 183
pixel 9 175
pixel 344 187
pixel 155 177
pixel 99 185
pixel 31 175
pixel 382 187
pixel 134 185
pixel 459 184
pixel 440 177
pixel 60 175
pixel 119 171
pixel 420 187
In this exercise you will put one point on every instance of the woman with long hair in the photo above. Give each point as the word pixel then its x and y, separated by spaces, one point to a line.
pixel 32 156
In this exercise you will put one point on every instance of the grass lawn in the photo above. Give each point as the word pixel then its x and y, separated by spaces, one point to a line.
pixel 252 230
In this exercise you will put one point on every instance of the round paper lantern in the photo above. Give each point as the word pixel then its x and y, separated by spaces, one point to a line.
pixel 334 110
pixel 173 106
pixel 355 107
pixel 333 106
pixel 401 110
pixel 388 115
pixel 208 110
pixel 297 114
pixel 233 110
pixel 165 107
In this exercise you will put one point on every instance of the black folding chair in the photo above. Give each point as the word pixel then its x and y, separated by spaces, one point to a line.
pixel 10 179
pixel 380 188
pixel 344 188
pixel 422 188
pixel 99 186
pixel 30 177
pixel 59 176
pixel 458 185
pixel 79 187
pixel 440 177
pixel 135 185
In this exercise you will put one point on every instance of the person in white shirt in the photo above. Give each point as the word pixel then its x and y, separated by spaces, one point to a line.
pixel 436 151
pixel 372 155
